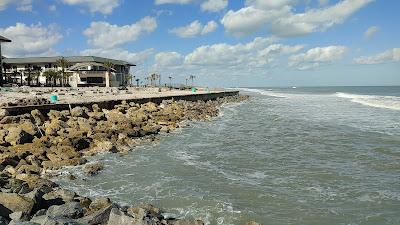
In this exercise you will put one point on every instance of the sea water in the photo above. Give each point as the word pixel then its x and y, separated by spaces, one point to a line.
pixel 287 156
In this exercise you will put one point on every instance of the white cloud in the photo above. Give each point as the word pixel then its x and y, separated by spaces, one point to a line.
pixel 258 53
pixel 391 55
pixel 268 4
pixel 101 6
pixel 30 40
pixel 323 2
pixel 168 59
pixel 160 2
pixel 371 31
pixel 214 5
pixel 194 29
pixel 105 35
pixel 279 18
pixel 120 54
pixel 22 5
pixel 316 57
pixel 209 27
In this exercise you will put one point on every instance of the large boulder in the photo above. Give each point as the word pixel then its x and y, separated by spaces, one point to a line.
pixel 72 210
pixel 12 202
pixel 38 117
pixel 117 217
pixel 79 112
pixel 98 217
pixel 18 136
pixel 62 194
pixel 93 168
pixel 104 146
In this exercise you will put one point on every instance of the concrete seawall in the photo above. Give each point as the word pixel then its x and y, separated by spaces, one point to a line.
pixel 19 110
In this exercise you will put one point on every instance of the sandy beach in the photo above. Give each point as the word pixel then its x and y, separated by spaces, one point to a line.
pixel 31 95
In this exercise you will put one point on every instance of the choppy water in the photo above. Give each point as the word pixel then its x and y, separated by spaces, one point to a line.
pixel 288 156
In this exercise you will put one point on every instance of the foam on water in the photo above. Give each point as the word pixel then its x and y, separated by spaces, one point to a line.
pixel 267 92
pixel 386 102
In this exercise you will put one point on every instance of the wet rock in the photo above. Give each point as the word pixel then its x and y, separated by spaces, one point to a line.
pixel 100 203
pixel 17 136
pixel 72 210
pixel 98 217
pixel 104 146
pixel 62 194
pixel 150 129
pixel 81 143
pixel 118 217
pixel 93 168
pixel 15 203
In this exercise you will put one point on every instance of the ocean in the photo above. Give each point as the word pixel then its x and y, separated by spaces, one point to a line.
pixel 326 155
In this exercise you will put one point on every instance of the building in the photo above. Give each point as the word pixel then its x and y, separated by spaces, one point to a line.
pixel 2 39
pixel 80 71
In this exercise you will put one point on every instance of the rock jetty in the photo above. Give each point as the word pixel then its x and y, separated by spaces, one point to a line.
pixel 33 144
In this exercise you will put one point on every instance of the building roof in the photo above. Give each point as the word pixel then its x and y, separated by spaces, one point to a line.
pixel 71 59
pixel 3 39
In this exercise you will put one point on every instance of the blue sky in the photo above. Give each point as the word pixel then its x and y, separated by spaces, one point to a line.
pixel 221 42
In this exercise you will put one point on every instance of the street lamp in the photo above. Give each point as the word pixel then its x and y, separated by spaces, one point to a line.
pixel 2 39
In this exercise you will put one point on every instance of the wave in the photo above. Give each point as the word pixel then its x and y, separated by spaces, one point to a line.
pixel 377 101
pixel 265 92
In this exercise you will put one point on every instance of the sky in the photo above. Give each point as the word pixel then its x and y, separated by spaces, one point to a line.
pixel 229 43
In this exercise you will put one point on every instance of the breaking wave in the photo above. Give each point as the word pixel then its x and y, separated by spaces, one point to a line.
pixel 377 101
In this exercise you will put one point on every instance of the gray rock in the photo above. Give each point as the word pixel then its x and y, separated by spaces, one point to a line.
pixel 12 202
pixel 118 217
pixel 71 210
pixel 100 203
pixel 22 223
pixel 19 216
pixel 48 220
pixel 65 195
pixel 98 217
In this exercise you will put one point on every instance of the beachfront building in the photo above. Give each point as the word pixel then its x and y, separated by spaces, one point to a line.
pixel 80 71
pixel 2 39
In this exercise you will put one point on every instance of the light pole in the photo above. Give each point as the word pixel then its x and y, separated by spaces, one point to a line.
pixel 2 39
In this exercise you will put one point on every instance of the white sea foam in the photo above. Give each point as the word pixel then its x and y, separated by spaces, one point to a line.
pixel 377 101
pixel 266 92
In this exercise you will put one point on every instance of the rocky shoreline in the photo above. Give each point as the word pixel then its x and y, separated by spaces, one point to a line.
pixel 33 145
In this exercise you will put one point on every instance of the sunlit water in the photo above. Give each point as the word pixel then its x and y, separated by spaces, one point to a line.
pixel 287 156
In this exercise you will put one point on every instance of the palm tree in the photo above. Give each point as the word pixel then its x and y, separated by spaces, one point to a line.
pixel 170 81
pixel 29 69
pixel 153 77
pixel 36 74
pixel 50 75
pixel 191 77
pixel 137 82
pixel 109 66
pixel 63 63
